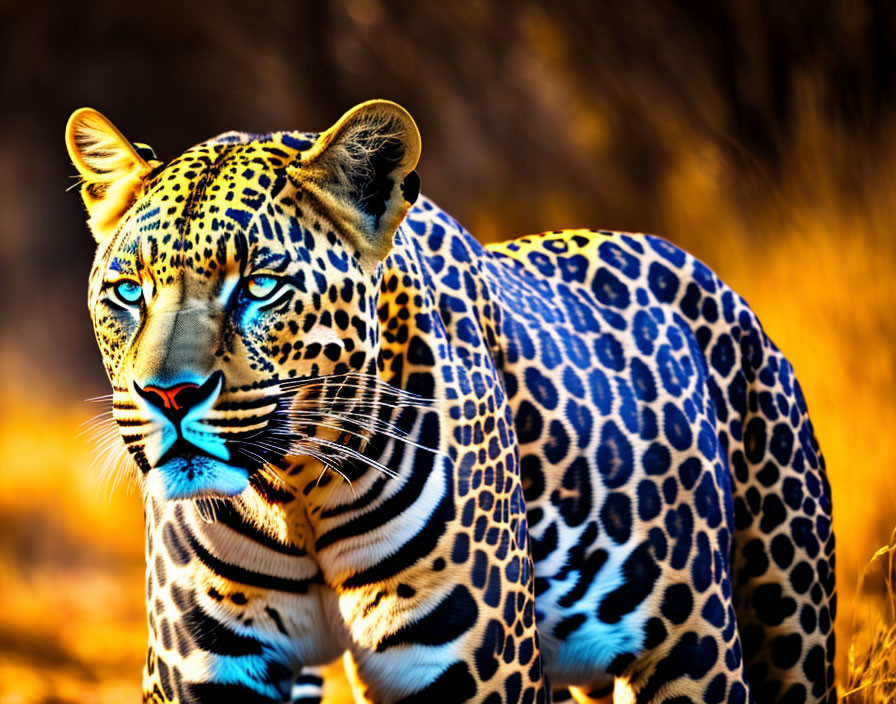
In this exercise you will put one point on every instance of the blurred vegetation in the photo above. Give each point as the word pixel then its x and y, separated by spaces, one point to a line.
pixel 757 134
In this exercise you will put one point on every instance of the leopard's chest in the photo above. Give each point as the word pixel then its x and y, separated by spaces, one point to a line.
pixel 242 581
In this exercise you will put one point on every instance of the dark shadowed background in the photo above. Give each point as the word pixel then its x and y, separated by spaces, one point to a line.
pixel 757 134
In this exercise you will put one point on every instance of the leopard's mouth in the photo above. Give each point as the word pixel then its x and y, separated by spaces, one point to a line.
pixel 194 475
pixel 189 471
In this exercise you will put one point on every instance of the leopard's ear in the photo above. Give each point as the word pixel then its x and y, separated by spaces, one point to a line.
pixel 112 170
pixel 362 171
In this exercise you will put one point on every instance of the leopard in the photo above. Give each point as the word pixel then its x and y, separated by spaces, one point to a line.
pixel 566 466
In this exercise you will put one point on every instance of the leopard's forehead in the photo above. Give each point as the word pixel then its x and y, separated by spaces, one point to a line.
pixel 218 205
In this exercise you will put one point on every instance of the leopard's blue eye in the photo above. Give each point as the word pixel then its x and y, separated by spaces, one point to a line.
pixel 128 291
pixel 262 287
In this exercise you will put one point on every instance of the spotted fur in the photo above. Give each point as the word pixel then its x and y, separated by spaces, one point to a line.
pixel 488 474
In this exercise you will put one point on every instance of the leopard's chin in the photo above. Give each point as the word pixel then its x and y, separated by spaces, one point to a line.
pixel 195 476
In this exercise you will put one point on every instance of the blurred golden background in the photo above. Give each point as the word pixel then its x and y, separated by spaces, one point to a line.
pixel 759 135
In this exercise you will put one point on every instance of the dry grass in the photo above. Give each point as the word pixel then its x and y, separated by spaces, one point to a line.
pixel 871 676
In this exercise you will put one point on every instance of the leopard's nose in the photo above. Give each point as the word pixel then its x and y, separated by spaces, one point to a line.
pixel 176 400
pixel 171 398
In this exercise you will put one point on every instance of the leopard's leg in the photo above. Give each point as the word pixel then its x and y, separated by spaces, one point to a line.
pixel 220 631
pixel 432 563
pixel 783 553
pixel 457 648
pixel 434 575
pixel 690 646
pixel 694 649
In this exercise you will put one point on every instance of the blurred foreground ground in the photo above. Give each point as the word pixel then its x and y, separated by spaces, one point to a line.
pixel 759 137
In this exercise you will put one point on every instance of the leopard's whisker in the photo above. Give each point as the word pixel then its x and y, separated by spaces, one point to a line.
pixel 398 436
pixel 349 453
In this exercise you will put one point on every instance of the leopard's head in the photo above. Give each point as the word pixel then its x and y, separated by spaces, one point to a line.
pixel 234 290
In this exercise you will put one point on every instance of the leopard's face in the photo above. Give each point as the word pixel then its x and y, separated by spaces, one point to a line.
pixel 234 300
